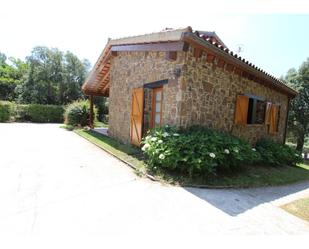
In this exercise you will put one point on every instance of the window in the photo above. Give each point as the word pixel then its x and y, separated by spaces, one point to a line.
pixel 253 110
pixel 250 110
pixel 256 111
pixel 157 107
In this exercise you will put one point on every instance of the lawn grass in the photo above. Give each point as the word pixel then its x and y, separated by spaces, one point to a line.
pixel 127 153
pixel 305 165
pixel 299 208
pixel 246 176
pixel 100 124
pixel 96 124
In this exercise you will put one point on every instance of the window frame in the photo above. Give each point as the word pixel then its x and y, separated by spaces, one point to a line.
pixel 267 117
pixel 153 107
pixel 253 112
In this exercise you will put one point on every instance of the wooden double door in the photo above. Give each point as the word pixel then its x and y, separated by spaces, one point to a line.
pixel 137 112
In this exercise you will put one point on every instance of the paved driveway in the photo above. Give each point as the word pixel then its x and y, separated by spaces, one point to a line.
pixel 54 182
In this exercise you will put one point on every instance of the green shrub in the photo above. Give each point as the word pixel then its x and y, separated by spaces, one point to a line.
pixel 6 111
pixel 45 113
pixel 31 113
pixel 78 113
pixel 39 113
pixel 196 151
pixel 105 119
pixel 277 154
pixel 21 113
pixel 101 103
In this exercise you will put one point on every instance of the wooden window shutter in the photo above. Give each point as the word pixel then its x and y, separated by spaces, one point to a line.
pixel 267 113
pixel 273 119
pixel 241 112
pixel 137 114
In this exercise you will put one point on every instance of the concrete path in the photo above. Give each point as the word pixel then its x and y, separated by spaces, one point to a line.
pixel 102 130
pixel 54 182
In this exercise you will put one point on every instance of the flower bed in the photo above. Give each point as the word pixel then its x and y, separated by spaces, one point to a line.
pixel 200 151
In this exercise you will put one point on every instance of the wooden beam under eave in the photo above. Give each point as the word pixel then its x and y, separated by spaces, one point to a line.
pixel 220 63
pixel 197 53
pixel 104 61
pixel 244 74
pixel 94 92
pixel 238 71
pixel 105 87
pixel 103 80
pixel 229 67
pixel 210 58
pixel 155 47
pixel 186 47
pixel 171 55
pixel 251 76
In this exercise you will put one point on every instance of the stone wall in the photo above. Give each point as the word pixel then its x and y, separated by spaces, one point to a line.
pixel 203 94
pixel 209 98
pixel 131 70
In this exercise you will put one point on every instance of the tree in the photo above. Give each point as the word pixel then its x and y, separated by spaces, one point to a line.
pixel 53 77
pixel 11 75
pixel 102 107
pixel 299 111
pixel 74 75
pixel 2 58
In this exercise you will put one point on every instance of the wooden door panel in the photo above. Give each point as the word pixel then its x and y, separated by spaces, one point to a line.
pixel 241 112
pixel 137 112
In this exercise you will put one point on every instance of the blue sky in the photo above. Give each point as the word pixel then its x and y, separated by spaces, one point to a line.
pixel 274 33
pixel 274 42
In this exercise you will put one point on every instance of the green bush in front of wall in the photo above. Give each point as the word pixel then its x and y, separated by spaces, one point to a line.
pixel 6 111
pixel 201 151
pixel 196 151
pixel 277 154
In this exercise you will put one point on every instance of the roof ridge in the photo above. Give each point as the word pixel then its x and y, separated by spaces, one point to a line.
pixel 164 35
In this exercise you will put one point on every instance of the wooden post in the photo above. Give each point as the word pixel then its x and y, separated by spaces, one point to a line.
pixel 91 118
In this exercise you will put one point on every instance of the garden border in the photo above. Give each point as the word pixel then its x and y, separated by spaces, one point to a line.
pixel 153 178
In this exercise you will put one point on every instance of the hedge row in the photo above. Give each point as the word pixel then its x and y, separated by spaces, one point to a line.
pixel 6 111
pixel 10 111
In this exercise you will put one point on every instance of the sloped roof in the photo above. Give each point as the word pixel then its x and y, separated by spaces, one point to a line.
pixel 98 79
pixel 97 82
pixel 211 36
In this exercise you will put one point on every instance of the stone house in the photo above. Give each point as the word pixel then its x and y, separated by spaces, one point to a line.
pixel 183 78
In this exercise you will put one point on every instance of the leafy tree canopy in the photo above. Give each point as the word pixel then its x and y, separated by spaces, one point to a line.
pixel 12 72
pixel 299 111
pixel 53 77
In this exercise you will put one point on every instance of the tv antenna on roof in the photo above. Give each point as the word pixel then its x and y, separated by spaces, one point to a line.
pixel 239 48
